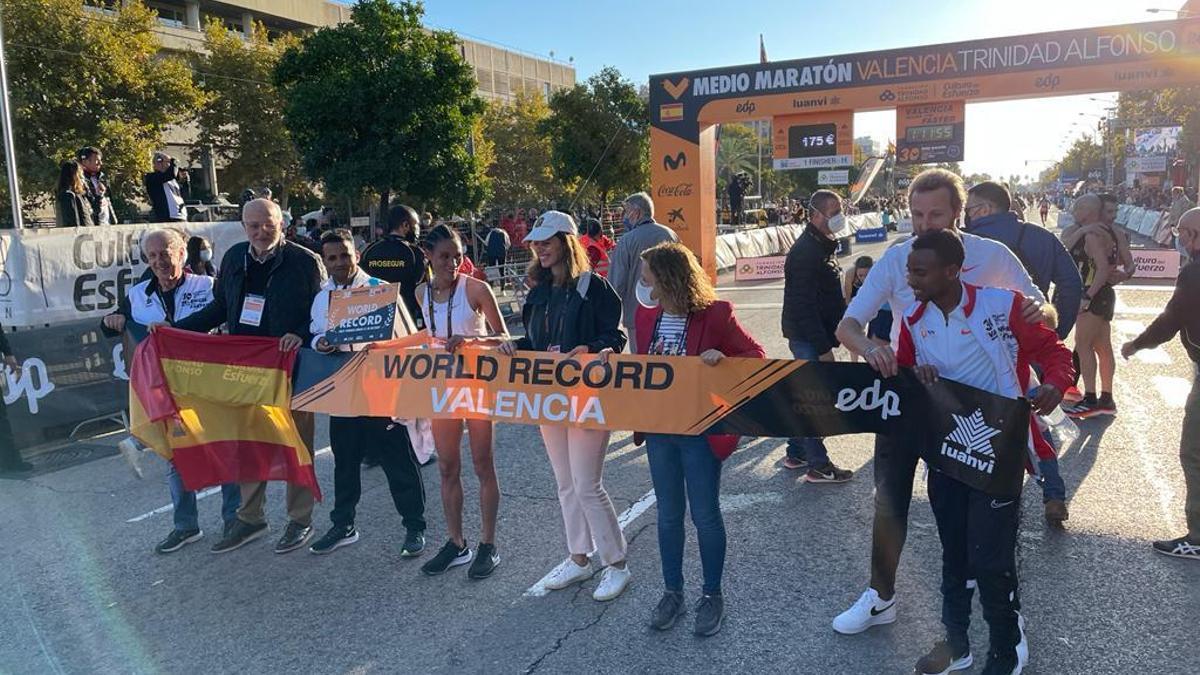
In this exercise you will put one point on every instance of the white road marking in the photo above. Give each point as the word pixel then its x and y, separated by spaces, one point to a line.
pixel 1153 289
pixel 206 492
pixel 1121 308
pixel 1173 390
pixel 724 289
pixel 627 516
pixel 760 305
pixel 1151 464
pixel 1127 329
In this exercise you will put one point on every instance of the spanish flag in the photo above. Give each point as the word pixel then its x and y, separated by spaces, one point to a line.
pixel 218 407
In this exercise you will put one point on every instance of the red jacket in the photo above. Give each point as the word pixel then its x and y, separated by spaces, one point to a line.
pixel 996 321
pixel 714 327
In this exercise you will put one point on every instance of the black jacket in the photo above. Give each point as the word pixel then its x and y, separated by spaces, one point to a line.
pixel 155 183
pixel 73 210
pixel 812 291
pixel 397 261
pixel 593 320
pixel 295 279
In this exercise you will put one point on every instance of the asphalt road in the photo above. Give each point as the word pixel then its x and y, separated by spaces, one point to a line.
pixel 84 593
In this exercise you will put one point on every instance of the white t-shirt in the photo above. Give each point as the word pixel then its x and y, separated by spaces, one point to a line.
pixel 988 263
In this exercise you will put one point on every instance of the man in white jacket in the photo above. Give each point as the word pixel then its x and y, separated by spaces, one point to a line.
pixel 351 437
pixel 170 294
pixel 936 199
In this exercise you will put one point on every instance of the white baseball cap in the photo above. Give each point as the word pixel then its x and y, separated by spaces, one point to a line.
pixel 551 223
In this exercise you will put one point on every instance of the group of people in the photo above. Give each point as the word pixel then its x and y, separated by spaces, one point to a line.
pixel 963 299
pixel 82 196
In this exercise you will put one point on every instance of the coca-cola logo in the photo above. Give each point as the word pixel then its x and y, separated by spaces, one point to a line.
pixel 676 190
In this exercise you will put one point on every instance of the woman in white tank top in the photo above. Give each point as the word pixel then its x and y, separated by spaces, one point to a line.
pixel 461 311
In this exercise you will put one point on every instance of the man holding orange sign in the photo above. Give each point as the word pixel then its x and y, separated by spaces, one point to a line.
pixel 351 437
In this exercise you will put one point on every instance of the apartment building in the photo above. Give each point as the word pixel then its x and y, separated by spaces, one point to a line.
pixel 502 72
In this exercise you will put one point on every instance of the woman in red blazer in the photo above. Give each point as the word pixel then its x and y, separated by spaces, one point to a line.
pixel 686 470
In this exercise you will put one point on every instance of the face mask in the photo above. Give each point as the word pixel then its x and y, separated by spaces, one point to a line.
pixel 837 224
pixel 206 255
pixel 645 295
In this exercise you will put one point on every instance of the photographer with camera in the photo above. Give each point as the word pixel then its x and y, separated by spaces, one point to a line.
pixel 164 189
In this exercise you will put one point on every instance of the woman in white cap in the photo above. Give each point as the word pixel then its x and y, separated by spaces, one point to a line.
pixel 575 312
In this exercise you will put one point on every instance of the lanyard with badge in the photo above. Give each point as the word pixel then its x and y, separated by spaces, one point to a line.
pixel 659 346
pixel 553 339
pixel 449 308
pixel 252 303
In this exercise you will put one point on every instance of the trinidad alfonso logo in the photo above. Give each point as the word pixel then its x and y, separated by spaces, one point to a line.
pixel 970 442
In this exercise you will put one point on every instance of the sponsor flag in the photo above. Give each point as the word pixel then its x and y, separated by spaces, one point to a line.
pixel 217 406
pixel 762 49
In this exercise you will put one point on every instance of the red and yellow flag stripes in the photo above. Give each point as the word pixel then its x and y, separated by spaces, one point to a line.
pixel 218 407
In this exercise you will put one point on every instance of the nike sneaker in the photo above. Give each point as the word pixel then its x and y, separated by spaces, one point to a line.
pixel 869 610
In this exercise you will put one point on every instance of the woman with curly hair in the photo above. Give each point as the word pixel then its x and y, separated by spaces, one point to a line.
pixel 681 315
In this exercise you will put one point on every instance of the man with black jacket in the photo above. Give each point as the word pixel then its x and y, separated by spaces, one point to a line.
pixel 96 186
pixel 164 191
pixel 266 288
pixel 812 307
pixel 397 259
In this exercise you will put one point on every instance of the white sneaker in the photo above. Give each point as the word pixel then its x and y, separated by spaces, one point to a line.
pixel 613 582
pixel 1022 646
pixel 567 573
pixel 868 611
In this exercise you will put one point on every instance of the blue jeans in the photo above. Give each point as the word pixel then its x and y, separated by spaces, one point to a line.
pixel 685 473
pixel 1053 486
pixel 811 450
pixel 186 517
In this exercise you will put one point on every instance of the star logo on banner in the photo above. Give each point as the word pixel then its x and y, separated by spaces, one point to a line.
pixel 973 434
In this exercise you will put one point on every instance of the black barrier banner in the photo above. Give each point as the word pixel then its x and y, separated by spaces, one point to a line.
pixel 68 374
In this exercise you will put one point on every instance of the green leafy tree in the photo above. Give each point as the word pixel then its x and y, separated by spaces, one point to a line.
pixel 81 78
pixel 600 130
pixel 242 117
pixel 380 104
pixel 521 172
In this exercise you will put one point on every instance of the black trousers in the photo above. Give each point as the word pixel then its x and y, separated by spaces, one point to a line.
pixel 895 467
pixel 979 541
pixel 350 438
pixel 9 455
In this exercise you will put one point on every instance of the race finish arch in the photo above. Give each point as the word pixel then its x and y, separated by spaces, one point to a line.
pixel 686 107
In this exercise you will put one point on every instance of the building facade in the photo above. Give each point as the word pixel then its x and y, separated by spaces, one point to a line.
pixel 501 72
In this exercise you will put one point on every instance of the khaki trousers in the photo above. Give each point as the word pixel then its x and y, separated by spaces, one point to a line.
pixel 300 500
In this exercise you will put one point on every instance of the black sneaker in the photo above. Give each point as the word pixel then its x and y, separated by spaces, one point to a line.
pixel 337 537
pixel 669 608
pixel 828 474
pixel 943 659
pixel 239 535
pixel 1002 664
pixel 1178 548
pixel 294 536
pixel 414 544
pixel 710 613
pixel 177 540
pixel 451 555
pixel 1105 405
pixel 486 562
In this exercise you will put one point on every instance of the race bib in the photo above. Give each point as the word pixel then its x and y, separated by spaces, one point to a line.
pixel 252 310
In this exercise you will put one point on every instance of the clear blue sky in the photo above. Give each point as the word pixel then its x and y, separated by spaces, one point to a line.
pixel 640 38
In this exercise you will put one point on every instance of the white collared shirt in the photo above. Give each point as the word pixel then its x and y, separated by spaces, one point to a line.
pixel 988 263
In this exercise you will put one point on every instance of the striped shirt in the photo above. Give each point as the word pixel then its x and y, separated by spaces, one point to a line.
pixel 670 335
